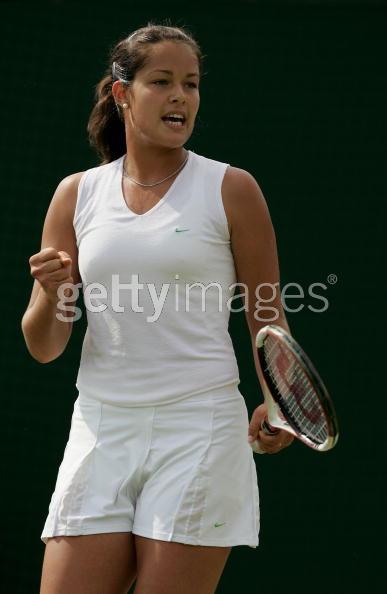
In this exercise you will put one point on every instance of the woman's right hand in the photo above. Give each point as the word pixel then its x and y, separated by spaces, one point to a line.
pixel 51 268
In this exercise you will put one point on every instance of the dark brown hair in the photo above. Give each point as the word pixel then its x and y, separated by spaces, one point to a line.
pixel 105 128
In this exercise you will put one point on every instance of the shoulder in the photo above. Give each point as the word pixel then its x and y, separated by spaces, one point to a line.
pixel 65 195
pixel 243 200
pixel 63 202
pixel 69 184
pixel 235 182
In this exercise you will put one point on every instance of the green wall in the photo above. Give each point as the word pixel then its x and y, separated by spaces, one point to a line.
pixel 295 93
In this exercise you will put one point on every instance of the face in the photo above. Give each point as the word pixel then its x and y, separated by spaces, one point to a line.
pixel 154 93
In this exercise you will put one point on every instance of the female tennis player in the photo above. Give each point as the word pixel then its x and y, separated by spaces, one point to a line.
pixel 158 480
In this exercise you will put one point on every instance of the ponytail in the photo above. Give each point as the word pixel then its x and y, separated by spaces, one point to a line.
pixel 105 128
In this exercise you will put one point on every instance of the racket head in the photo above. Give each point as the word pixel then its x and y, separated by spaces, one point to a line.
pixel 304 407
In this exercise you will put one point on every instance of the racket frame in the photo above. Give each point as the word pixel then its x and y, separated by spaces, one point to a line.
pixel 276 418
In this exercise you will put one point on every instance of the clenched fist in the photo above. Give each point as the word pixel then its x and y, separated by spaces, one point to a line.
pixel 51 268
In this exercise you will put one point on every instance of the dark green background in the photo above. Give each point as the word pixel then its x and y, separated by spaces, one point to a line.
pixel 295 93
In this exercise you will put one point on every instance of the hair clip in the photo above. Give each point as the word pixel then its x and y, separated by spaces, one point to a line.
pixel 118 72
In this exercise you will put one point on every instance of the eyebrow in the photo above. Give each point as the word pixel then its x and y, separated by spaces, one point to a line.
pixel 170 72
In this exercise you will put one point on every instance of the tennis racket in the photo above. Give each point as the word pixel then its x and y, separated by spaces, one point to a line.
pixel 296 398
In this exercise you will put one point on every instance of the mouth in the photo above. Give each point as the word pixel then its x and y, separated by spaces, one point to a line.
pixel 174 123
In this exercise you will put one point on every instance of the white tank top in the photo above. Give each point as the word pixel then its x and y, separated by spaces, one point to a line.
pixel 150 338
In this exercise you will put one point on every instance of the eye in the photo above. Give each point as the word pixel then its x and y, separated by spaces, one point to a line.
pixel 193 85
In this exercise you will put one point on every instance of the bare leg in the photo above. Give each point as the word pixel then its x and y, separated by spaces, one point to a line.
pixel 89 564
pixel 172 568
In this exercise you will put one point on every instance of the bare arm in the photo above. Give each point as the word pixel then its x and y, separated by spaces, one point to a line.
pixel 45 335
pixel 254 248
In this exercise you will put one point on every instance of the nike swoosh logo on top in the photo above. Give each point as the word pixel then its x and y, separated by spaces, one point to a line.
pixel 180 230
pixel 216 525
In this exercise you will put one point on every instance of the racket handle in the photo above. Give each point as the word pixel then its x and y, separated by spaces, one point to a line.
pixel 269 430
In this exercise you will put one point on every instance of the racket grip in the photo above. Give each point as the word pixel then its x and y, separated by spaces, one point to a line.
pixel 268 429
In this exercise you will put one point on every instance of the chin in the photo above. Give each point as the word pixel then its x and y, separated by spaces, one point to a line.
pixel 175 144
pixel 168 142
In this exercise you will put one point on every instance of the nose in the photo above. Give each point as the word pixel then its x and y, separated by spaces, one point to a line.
pixel 178 100
pixel 178 95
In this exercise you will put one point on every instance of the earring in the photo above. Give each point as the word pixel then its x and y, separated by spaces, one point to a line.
pixel 124 105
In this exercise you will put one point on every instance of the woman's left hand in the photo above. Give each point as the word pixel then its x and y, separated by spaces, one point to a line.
pixel 271 444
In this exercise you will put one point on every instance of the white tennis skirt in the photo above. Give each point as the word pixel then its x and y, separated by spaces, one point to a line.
pixel 181 472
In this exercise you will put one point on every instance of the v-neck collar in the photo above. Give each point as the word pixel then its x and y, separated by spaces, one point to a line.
pixel 120 193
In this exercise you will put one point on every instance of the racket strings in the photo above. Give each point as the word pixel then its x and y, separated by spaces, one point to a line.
pixel 297 397
pixel 313 420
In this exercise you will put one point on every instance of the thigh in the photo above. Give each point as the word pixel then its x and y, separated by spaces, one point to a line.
pixel 172 567
pixel 89 564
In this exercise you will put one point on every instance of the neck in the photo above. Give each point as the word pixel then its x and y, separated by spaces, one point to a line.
pixel 150 166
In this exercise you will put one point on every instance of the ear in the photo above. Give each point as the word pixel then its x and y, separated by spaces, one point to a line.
pixel 119 92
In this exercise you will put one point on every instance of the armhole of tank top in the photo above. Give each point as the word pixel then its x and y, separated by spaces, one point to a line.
pixel 78 200
pixel 222 212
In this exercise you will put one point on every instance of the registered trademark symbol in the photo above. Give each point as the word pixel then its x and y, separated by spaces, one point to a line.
pixel 332 279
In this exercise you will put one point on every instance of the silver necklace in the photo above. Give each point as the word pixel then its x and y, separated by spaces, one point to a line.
pixel 125 174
